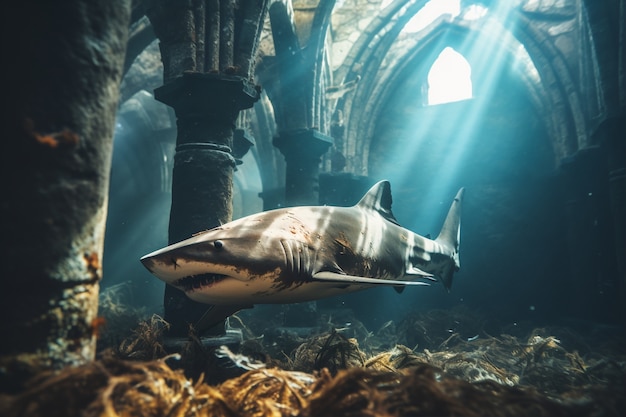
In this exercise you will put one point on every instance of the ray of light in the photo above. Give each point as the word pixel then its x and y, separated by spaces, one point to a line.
pixel 488 58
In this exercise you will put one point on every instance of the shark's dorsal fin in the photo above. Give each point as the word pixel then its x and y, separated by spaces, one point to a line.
pixel 378 198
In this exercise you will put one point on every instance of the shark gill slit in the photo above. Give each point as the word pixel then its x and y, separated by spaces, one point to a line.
pixel 297 258
pixel 288 255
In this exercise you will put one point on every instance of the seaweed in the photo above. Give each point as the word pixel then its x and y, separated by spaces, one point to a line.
pixel 145 341
pixel 548 372
pixel 112 387
pixel 332 351
pixel 268 392
pixel 422 390
pixel 117 315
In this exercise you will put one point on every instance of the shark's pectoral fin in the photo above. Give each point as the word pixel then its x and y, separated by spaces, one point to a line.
pixel 215 315
pixel 337 277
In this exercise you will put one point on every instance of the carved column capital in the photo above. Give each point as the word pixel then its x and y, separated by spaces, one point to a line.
pixel 214 96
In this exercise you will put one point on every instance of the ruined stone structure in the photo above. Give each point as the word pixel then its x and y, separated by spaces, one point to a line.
pixel 315 100
pixel 348 82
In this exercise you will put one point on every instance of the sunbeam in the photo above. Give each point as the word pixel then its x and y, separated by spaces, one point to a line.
pixel 442 141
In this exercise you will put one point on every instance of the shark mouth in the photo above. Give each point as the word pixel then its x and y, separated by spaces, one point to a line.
pixel 194 282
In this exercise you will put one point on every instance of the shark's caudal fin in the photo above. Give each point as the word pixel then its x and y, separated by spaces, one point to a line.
pixel 450 237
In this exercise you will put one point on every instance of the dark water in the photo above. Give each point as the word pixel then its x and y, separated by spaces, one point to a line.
pixel 537 233
pixel 536 239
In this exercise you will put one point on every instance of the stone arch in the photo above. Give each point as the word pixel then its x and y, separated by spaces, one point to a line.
pixel 558 90
pixel 361 122
pixel 565 120
pixel 362 64
pixel 299 72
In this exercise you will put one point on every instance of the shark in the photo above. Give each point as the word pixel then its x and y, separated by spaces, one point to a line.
pixel 305 253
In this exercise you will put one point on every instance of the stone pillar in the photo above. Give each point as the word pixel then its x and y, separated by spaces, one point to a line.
pixel 206 107
pixel 296 87
pixel 303 150
pixel 207 48
pixel 60 101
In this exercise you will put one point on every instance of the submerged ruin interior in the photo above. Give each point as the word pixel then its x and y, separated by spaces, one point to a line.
pixel 134 125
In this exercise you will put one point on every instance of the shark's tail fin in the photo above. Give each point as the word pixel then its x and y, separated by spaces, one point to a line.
pixel 450 237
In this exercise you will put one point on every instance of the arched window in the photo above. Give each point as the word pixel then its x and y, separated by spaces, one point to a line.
pixel 450 78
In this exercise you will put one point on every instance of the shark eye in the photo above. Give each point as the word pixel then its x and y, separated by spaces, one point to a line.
pixel 218 244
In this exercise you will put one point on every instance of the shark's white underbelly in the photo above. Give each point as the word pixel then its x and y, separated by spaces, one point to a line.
pixel 231 291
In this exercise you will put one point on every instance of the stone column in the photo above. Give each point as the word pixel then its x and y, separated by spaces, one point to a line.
pixel 303 150
pixel 296 89
pixel 295 85
pixel 208 49
pixel 206 107
pixel 60 101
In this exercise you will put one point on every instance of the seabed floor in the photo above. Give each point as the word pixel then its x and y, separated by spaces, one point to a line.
pixel 420 366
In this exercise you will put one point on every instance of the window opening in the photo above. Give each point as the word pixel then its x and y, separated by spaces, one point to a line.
pixel 449 78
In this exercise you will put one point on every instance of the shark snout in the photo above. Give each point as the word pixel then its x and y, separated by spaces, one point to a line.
pixel 186 258
pixel 148 262
pixel 164 266
pixel 176 263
